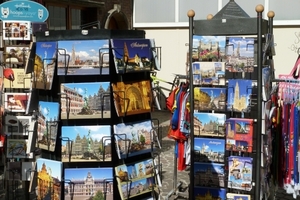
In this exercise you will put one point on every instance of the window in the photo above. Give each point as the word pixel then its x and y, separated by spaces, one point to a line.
pixel 76 18
pixel 57 18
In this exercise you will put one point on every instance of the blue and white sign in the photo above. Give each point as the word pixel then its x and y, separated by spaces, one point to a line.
pixel 23 10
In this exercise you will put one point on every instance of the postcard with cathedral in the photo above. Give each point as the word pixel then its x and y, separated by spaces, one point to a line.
pixel 85 100
pixel 96 183
pixel 234 196
pixel 240 172
pixel 209 48
pixel 240 54
pixel 86 143
pixel 133 55
pixel 209 73
pixel 207 99
pixel 239 95
pixel 44 65
pixel 209 150
pixel 48 171
pixel 133 138
pixel 132 98
pixel 209 124
pixel 239 135
pixel 209 193
pixel 209 175
pixel 83 57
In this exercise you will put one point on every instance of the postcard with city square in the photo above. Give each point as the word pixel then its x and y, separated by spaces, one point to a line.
pixel 131 55
pixel 49 179
pixel 88 183
pixel 209 73
pixel 209 150
pixel 206 99
pixel 133 138
pixel 48 116
pixel 209 124
pixel 209 48
pixel 86 143
pixel 85 100
pixel 209 193
pixel 209 175
pixel 83 57
pixel 240 55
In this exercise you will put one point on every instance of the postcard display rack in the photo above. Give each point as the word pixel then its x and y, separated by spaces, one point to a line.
pixel 227 127
pixel 85 117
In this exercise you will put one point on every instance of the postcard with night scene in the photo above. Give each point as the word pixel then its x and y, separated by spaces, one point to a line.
pixel 209 193
pixel 85 100
pixel 209 73
pixel 240 55
pixel 83 57
pixel 132 55
pixel 209 124
pixel 86 143
pixel 209 175
pixel 209 150
pixel 48 123
pixel 239 95
pixel 206 99
pixel 209 48
pixel 101 180
pixel 239 135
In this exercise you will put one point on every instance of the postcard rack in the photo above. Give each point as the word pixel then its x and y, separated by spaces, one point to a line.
pixel 222 25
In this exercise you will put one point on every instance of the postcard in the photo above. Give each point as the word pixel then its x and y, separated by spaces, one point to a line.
pixel 233 196
pixel 20 79
pixel 133 138
pixel 28 168
pixel 239 134
pixel 49 171
pixel 240 172
pixel 32 103
pixel 29 65
pixel 266 83
pixel 47 125
pixel 209 150
pixel 85 100
pixel 156 52
pixel 83 57
pixel 17 125
pixel 86 143
pixel 209 193
pixel 209 175
pixel 239 95
pixel 16 30
pixel 14 170
pixel 209 48
pixel 16 54
pixel 44 65
pixel 32 136
pixel 207 99
pixel 209 124
pixel 39 27
pixel 240 55
pixel 132 55
pixel 16 148
pixel 15 102
pixel 209 73
pixel 132 98
pixel 99 181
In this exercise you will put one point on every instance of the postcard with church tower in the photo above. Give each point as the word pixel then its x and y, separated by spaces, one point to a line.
pixel 209 48
pixel 86 143
pixel 239 135
pixel 83 57
pixel 209 124
pixel 90 183
pixel 85 100
pixel 240 54
pixel 209 193
pixel 209 150
pixel 209 175
pixel 239 95
pixel 207 99
pixel 133 55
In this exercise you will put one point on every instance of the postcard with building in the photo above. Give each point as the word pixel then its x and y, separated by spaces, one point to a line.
pixel 86 143
pixel 240 54
pixel 133 138
pixel 240 172
pixel 48 116
pixel 133 55
pixel 48 171
pixel 209 48
pixel 207 99
pixel 209 150
pixel 209 73
pixel 234 196
pixel 209 193
pixel 239 134
pixel 239 95
pixel 83 57
pixel 17 125
pixel 88 183
pixel 209 175
pixel 209 124
pixel 85 100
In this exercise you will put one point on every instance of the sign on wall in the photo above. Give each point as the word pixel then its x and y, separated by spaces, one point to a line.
pixel 23 10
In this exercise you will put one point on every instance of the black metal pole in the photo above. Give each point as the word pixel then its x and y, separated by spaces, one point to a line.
pixel 191 15
pixel 259 9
